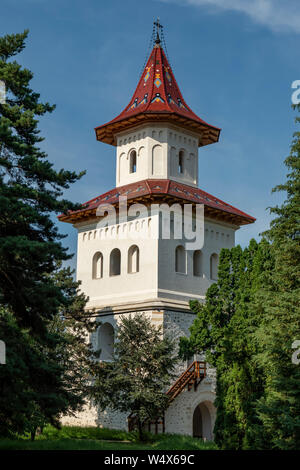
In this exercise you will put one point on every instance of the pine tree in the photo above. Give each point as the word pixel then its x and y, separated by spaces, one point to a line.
pixel 42 318
pixel 135 381
pixel 279 305
pixel 30 194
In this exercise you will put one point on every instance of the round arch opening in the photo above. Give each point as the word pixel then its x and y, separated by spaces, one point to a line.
pixel 203 422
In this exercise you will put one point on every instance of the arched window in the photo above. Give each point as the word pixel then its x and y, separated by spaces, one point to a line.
pixel 181 162
pixel 97 265
pixel 115 262
pixel 180 260
pixel 106 337
pixel 133 259
pixel 132 162
pixel 157 160
pixel 197 263
pixel 214 261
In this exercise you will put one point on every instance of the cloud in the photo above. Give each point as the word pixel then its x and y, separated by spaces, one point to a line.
pixel 278 15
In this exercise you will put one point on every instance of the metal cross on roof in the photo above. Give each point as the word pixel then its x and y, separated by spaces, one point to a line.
pixel 158 27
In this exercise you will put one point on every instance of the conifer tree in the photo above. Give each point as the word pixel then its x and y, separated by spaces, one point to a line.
pixel 279 305
pixel 248 326
pixel 42 317
pixel 30 194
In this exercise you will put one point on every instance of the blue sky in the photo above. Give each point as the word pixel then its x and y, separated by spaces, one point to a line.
pixel 234 61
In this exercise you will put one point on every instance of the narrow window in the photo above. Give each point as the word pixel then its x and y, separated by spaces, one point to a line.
pixel 133 259
pixel 197 263
pixel 180 260
pixel 115 262
pixel 214 261
pixel 180 162
pixel 132 162
pixel 97 265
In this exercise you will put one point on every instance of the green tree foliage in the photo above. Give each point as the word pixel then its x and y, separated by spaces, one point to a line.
pixel 247 328
pixel 142 367
pixel 222 331
pixel 42 381
pixel 279 303
pixel 42 317
pixel 30 193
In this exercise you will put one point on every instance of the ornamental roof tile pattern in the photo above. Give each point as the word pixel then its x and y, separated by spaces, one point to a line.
pixel 157 97
pixel 155 188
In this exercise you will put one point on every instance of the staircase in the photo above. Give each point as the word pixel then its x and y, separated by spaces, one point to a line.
pixel 192 376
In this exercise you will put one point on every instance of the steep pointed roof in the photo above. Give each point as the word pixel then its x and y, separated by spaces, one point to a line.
pixel 158 98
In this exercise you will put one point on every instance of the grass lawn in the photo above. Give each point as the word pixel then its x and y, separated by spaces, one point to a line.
pixel 77 438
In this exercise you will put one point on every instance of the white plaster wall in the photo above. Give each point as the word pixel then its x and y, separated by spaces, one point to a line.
pixel 156 278
pixel 174 285
pixel 114 290
pixel 157 148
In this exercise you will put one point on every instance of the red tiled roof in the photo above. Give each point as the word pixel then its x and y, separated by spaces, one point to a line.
pixel 159 187
pixel 157 96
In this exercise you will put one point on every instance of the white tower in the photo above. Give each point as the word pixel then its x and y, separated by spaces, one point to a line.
pixel 156 138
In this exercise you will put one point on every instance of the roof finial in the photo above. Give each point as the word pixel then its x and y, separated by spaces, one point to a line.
pixel 158 27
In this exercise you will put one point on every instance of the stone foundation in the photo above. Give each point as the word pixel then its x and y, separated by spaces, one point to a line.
pixel 179 415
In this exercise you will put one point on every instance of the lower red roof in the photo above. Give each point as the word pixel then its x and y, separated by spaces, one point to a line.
pixel 158 187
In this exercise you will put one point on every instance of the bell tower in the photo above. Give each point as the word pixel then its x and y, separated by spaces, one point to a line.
pixel 156 137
